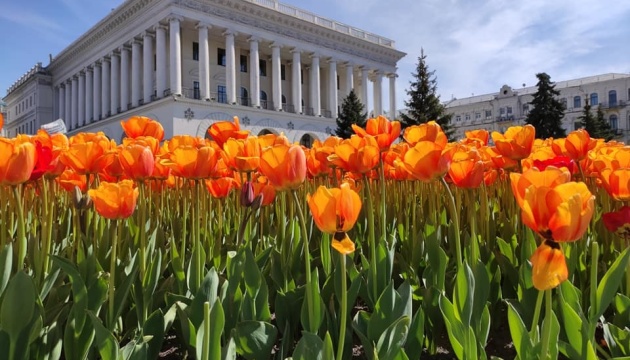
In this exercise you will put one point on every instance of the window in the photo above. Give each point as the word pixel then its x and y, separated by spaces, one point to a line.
pixel 195 51
pixel 302 79
pixel 338 88
pixel 525 109
pixel 244 97
pixel 243 63
pixel 577 102
pixel 594 99
pixel 509 110
pixel 220 57
pixel 577 125
pixel 263 67
pixel 196 93
pixel 263 99
pixel 154 62
pixel 612 98
pixel 458 118
pixel 283 72
pixel 563 101
pixel 502 111
pixel 467 117
pixel 613 122
pixel 488 114
pixel 477 115
pixel 221 94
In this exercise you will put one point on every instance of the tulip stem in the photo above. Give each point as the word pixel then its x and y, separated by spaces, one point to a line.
pixel 372 240
pixel 112 273
pixel 142 227
pixel 532 331
pixel 546 330
pixel 344 307
pixel 593 290
pixel 307 261
pixel 21 230
pixel 383 204
pixel 455 218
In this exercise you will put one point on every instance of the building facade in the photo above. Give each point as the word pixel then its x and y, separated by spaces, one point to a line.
pixel 189 63
pixel 509 107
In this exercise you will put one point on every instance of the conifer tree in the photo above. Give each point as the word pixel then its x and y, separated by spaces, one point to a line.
pixel 351 113
pixel 424 104
pixel 547 113
pixel 587 121
pixel 604 131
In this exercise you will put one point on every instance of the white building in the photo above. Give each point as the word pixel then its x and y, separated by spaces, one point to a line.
pixel 509 107
pixel 188 63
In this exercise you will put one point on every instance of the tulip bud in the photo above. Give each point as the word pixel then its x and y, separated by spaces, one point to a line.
pixel 247 194
pixel 257 202
pixel 77 196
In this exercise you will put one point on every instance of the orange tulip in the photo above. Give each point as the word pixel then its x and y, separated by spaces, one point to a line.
pixel 550 177
pixel 86 153
pixel 138 126
pixel 221 188
pixel 385 131
pixel 466 170
pixel 549 267
pixel 221 131
pixel 17 161
pixel 242 155
pixel 261 186
pixel 69 179
pixel 194 163
pixel 499 161
pixel 431 131
pixel 576 145
pixel 137 161
pixel 616 182
pixel 427 161
pixel 60 144
pixel 335 211
pixel 480 135
pixel 561 213
pixel 516 143
pixel 284 166
pixel 115 200
pixel 357 154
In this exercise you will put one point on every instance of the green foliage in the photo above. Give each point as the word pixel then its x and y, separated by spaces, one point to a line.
pixel 352 112
pixel 424 104
pixel 596 126
pixel 547 113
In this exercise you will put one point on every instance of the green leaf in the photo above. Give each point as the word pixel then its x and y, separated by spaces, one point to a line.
pixel 18 305
pixel 463 294
pixel 415 340
pixel 609 284
pixel 253 277
pixel 310 347
pixel 254 339
pixel 6 262
pixel 454 327
pixel 154 327
pixel 392 340
pixel 389 308
pixel 317 304
pixel 105 340
pixel 208 292
pixel 522 342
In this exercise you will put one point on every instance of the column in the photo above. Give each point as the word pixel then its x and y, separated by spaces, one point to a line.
pixel 392 96
pixel 160 60
pixel 296 84
pixel 378 89
pixel 364 88
pixel 105 79
pixel 68 105
pixel 230 66
pixel 276 86
pixel 204 61
pixel 332 88
pixel 81 100
pixel 349 78
pixel 114 88
pixel 89 94
pixel 75 102
pixel 176 55
pixel 147 66
pixel 96 98
pixel 124 78
pixel 315 86
pixel 136 85
pixel 254 71
pixel 62 101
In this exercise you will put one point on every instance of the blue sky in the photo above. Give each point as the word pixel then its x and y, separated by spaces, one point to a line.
pixel 474 46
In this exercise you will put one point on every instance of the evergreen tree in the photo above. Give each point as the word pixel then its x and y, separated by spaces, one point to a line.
pixel 351 113
pixel 547 113
pixel 424 104
pixel 604 131
pixel 587 121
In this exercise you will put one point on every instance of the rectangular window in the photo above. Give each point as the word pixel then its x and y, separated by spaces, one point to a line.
pixel 196 92
pixel 263 67
pixel 488 114
pixel 283 72
pixel 458 118
pixel 467 117
pixel 302 78
pixel 577 102
pixel 509 110
pixel 243 63
pixel 220 57
pixel 195 50
pixel 477 115
pixel 221 94
pixel 502 111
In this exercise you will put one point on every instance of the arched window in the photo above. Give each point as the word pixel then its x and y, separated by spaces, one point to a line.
pixel 613 120
pixel 594 99
pixel 265 132
pixel 577 102
pixel 244 97
pixel 263 99
pixel 284 103
pixel 306 140
pixel 612 98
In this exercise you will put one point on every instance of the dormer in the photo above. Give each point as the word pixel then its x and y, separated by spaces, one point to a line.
pixel 506 91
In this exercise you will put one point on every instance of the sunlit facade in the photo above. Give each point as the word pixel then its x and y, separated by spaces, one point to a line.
pixel 189 63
